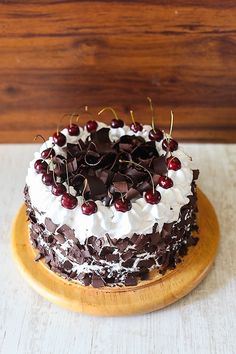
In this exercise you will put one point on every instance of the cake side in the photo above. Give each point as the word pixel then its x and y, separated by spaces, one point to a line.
pixel 107 262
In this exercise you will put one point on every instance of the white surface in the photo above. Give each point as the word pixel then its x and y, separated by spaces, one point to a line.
pixel 202 322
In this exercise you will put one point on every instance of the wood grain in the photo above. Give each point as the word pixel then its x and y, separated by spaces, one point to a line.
pixel 59 55
pixel 153 294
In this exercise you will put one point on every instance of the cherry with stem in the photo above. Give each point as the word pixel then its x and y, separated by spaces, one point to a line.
pixel 170 144
pixel 88 207
pixel 116 122
pixel 154 134
pixel 48 152
pixel 68 201
pixel 135 126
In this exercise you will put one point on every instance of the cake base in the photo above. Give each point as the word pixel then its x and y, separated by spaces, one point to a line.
pixel 150 295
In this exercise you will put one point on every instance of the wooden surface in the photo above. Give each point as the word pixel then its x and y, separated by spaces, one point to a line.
pixel 59 55
pixel 201 323
pixel 154 294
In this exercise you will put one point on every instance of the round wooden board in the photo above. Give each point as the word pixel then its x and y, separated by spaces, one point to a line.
pixel 153 294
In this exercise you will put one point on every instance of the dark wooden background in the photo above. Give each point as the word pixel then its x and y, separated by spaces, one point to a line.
pixel 58 55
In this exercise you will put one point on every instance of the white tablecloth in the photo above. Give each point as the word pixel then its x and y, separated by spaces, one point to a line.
pixel 202 322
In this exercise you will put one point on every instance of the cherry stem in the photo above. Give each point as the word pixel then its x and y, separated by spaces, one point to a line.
pixel 144 168
pixel 110 109
pixel 152 111
pixel 40 136
pixel 132 117
pixel 171 125
pixel 84 189
pixel 74 115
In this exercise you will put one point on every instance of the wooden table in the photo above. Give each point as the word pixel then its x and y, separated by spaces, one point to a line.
pixel 203 322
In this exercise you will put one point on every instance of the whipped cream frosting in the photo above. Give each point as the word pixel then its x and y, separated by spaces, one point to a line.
pixel 142 216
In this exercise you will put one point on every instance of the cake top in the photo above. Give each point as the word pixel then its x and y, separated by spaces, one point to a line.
pixel 115 179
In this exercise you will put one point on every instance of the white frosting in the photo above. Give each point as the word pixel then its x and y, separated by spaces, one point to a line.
pixel 142 216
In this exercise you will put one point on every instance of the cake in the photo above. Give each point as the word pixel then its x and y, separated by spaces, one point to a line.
pixel 109 203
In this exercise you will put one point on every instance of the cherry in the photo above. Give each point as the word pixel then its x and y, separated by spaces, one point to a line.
pixel 173 163
pixel 155 135
pixel 46 154
pixel 172 145
pixel 152 197
pixel 117 123
pixel 58 189
pixel 89 207
pixel 122 205
pixel 91 126
pixel 59 138
pixel 73 130
pixel 68 201
pixel 165 182
pixel 136 127
pixel 47 178
pixel 40 166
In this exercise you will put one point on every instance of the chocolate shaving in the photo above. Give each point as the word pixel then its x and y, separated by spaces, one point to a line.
pixel 51 227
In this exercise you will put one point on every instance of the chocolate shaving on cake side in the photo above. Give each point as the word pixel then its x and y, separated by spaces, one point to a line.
pixel 107 260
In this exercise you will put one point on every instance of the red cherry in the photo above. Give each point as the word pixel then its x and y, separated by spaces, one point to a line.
pixel 46 154
pixel 91 126
pixel 47 178
pixel 155 135
pixel 58 189
pixel 173 145
pixel 89 207
pixel 117 123
pixel 136 127
pixel 68 201
pixel 73 130
pixel 40 166
pixel 173 163
pixel 59 139
pixel 152 198
pixel 165 182
pixel 122 205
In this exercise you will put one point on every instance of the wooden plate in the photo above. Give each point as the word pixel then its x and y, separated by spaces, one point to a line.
pixel 157 292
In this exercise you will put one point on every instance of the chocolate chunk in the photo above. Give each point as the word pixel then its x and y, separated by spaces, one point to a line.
pixel 130 280
pixel 97 187
pixel 134 238
pixel 72 165
pixel 129 263
pixel 101 140
pixel 67 265
pixel 122 245
pixel 59 238
pixel 144 274
pixel 66 231
pixel 195 174
pixel 159 165
pixel 121 187
pixel 155 238
pixel 106 250
pixel 97 281
pixel 127 255
pixel 112 257
pixel 140 242
pixel 86 280
pixel 146 263
pixel 38 257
